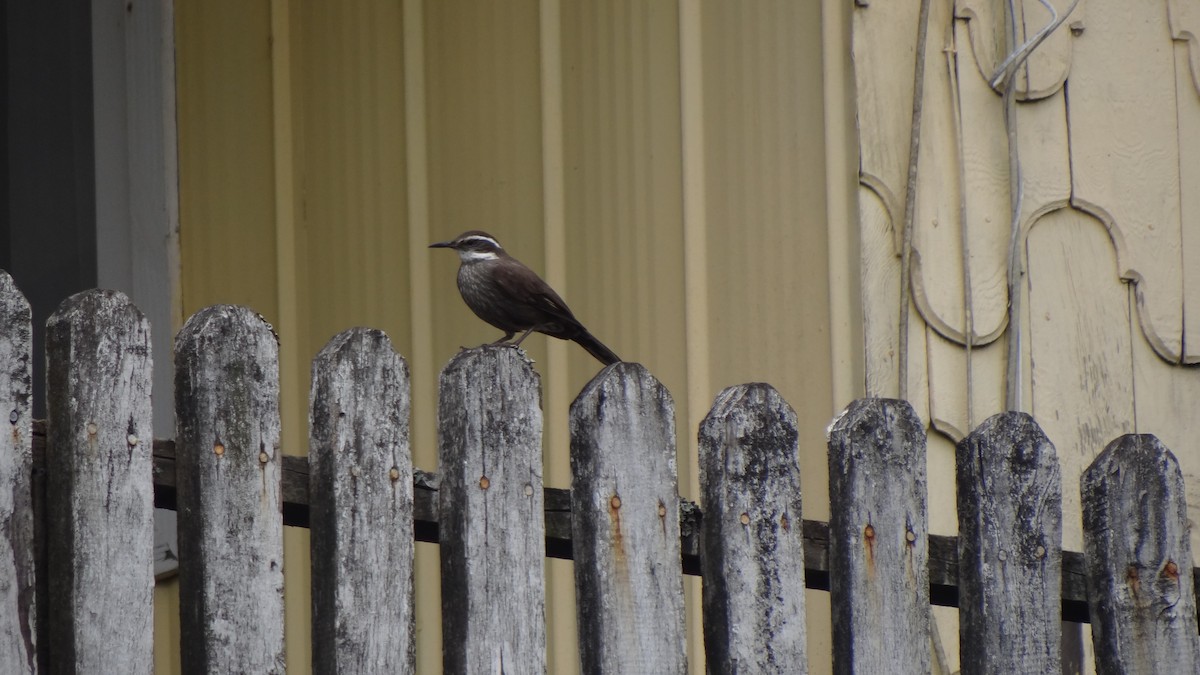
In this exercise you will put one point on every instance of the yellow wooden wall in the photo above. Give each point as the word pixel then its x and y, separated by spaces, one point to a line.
pixel 1106 126
pixel 662 163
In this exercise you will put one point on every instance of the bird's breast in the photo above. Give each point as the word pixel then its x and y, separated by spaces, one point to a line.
pixel 480 288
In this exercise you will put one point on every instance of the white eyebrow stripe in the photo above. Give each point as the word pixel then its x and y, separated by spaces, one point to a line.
pixel 479 237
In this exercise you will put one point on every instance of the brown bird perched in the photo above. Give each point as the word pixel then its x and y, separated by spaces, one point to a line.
pixel 512 297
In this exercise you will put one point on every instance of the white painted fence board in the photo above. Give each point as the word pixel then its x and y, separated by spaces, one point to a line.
pixel 361 507
pixel 878 548
pixel 625 525
pixel 491 523
pixel 754 618
pixel 230 522
pixel 18 608
pixel 1141 593
pixel 99 498
pixel 1010 550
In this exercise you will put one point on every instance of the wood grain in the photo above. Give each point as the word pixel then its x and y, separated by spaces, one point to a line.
pixel 361 513
pixel 490 500
pixel 18 608
pixel 1125 156
pixel 228 476
pixel 1010 550
pixel 878 539
pixel 1136 543
pixel 625 525
pixel 753 546
pixel 100 429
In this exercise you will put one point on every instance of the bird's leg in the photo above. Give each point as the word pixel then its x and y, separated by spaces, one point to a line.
pixel 507 336
pixel 523 336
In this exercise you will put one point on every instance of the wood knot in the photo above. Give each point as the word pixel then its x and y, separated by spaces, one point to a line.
pixel 1171 570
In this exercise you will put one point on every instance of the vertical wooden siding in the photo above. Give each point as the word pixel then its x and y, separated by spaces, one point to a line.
pixel 561 127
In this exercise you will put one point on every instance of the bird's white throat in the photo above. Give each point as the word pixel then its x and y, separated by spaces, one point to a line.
pixel 472 256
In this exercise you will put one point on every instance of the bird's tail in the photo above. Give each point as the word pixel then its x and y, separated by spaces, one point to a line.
pixel 596 348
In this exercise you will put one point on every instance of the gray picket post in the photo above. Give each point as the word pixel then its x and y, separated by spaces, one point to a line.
pixel 491 522
pixel 18 608
pixel 227 473
pixel 625 525
pixel 1009 548
pixel 878 548
pixel 1141 597
pixel 99 497
pixel 361 513
pixel 753 534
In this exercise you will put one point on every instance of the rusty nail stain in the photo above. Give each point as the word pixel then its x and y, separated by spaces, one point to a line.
pixel 785 522
pixel 394 473
pixel 528 490
pixel 1172 569
pixel 615 502
pixel 218 449
pixel 484 483
pixel 91 428
pixel 1040 552
pixel 745 518
pixel 131 439
pixel 869 531
pixel 910 536
pixel 1131 578
pixel 263 457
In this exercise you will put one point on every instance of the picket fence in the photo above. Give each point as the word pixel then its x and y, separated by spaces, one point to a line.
pixel 76 524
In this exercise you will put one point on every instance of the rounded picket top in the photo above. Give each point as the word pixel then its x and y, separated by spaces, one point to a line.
pixel 625 524
pixel 361 505
pixel 753 533
pixel 1141 595
pixel 491 512
pixel 99 439
pixel 16 317
pixel 228 483
pixel 877 498
pixel 1010 546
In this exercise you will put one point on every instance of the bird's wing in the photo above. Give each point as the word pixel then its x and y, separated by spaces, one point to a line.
pixel 522 288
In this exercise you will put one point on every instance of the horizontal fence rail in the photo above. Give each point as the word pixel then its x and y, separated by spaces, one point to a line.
pixel 77 492
pixel 943 549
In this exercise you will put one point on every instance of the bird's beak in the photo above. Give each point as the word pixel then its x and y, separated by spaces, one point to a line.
pixel 442 244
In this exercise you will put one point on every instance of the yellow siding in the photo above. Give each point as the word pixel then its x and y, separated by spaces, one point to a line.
pixel 661 163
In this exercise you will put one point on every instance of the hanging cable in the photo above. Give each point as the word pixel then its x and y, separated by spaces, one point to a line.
pixel 910 196
pixel 968 301
pixel 1006 75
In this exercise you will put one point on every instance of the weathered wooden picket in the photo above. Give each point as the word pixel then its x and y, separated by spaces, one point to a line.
pixel 75 524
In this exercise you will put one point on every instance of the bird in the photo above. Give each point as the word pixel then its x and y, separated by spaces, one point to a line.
pixel 508 295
